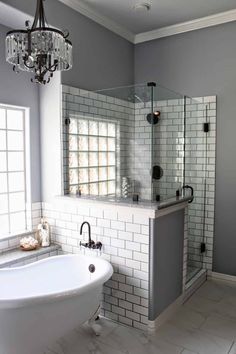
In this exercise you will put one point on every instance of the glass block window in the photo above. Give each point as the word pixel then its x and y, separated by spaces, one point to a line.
pixel 12 170
pixel 92 156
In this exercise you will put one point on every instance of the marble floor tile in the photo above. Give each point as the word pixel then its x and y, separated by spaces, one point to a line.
pixel 211 290
pixel 194 340
pixel 220 326
pixel 216 290
pixel 201 305
pixel 205 324
pixel 136 342
pixel 233 349
pixel 227 307
pixel 188 318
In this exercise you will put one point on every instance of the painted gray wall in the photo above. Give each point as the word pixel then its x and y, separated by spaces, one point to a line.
pixel 18 90
pixel 102 59
pixel 204 63
pixel 166 261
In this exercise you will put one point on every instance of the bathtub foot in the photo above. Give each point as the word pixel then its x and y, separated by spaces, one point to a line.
pixel 94 326
pixel 97 329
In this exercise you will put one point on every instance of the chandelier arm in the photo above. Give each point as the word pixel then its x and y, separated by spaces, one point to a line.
pixel 29 42
pixel 53 67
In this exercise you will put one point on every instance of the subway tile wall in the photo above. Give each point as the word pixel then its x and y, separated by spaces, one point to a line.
pixel 33 213
pixel 77 103
pixel 124 233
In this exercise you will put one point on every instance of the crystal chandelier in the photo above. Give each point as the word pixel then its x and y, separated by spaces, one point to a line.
pixel 39 49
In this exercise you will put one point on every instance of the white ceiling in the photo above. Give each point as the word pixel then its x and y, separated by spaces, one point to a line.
pixel 163 12
pixel 166 17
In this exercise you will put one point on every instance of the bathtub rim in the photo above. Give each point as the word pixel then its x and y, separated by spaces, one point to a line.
pixel 57 296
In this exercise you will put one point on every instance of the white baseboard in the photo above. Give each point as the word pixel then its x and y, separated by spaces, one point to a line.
pixel 165 315
pixel 221 276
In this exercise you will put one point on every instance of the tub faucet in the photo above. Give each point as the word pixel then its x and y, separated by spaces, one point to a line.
pixel 90 243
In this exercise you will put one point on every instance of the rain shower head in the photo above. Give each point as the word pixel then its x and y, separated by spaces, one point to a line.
pixel 136 97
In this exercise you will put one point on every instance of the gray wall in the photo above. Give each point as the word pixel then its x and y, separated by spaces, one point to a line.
pixel 18 90
pixel 102 59
pixel 166 262
pixel 204 63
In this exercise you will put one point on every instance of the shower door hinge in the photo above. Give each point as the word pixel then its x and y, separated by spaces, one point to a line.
pixel 67 121
pixel 203 247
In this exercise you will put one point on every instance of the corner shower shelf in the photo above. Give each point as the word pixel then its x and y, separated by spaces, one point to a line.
pixel 16 257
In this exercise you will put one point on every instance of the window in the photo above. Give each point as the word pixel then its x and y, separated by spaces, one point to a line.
pixel 12 170
pixel 92 156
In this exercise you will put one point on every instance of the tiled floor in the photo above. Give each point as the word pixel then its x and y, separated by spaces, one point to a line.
pixel 206 324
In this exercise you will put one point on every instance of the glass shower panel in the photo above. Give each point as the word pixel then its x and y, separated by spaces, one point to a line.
pixel 130 106
pixel 195 175
pixel 108 142
pixel 168 143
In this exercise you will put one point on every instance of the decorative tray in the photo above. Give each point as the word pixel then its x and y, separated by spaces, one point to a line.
pixel 31 248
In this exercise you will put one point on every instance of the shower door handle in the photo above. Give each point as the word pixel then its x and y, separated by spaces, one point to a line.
pixel 192 192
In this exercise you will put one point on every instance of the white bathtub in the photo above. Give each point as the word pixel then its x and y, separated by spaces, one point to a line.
pixel 44 300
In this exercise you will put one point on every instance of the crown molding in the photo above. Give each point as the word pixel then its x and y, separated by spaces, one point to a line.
pixel 200 23
pixel 104 21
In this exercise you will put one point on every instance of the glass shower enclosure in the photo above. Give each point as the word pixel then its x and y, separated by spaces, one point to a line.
pixel 137 143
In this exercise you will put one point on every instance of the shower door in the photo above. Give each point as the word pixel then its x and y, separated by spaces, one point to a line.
pixel 196 155
pixel 179 158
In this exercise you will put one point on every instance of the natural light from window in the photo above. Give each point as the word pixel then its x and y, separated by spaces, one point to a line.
pixel 12 170
pixel 92 156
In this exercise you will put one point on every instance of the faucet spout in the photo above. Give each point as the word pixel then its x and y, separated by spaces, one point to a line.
pixel 90 243
pixel 89 230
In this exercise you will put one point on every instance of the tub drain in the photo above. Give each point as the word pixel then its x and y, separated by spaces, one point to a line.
pixel 92 268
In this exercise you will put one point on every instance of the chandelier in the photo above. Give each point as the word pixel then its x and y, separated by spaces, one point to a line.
pixel 39 49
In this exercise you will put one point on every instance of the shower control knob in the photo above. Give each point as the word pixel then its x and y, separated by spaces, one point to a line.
pixel 98 245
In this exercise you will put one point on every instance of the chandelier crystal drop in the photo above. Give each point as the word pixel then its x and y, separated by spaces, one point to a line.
pixel 40 49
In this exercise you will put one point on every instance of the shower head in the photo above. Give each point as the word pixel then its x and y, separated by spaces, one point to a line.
pixel 138 98
pixel 135 98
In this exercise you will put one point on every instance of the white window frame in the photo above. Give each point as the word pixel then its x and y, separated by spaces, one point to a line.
pixel 27 172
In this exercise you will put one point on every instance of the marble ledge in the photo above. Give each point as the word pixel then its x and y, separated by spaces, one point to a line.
pixel 9 258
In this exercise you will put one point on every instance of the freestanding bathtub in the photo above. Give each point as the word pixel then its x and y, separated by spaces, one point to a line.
pixel 42 301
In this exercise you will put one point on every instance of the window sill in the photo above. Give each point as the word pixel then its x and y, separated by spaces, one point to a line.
pixel 17 257
pixel 17 234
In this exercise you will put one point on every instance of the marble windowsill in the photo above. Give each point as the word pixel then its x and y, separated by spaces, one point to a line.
pixel 9 258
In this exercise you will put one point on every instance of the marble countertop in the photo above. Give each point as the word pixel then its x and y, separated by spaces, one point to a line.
pixel 148 205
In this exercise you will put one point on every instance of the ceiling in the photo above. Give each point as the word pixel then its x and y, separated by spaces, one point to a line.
pixel 163 12
pixel 166 17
